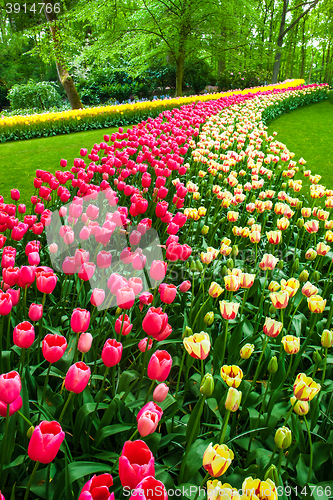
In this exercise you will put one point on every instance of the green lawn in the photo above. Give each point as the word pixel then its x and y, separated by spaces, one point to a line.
pixel 20 159
pixel 308 132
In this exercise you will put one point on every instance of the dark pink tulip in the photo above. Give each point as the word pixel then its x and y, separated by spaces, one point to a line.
pixel 164 334
pixel 97 297
pixel 2 240
pixel 13 407
pixel 111 353
pixel 63 163
pixel 15 194
pixel 10 387
pixel 34 259
pixel 77 377
pixel 125 297
pixel 97 488
pixel 27 275
pixel 158 270
pixel 7 260
pixel 46 282
pixel 135 463
pixel 24 335
pixel 53 347
pixel 185 286
pixel 127 326
pixel 45 442
pixel 142 345
pixel 6 304
pixel 155 321
pixel 15 296
pixel 35 312
pixel 167 293
pixel 80 320
pixel 159 366
pixel 11 275
pixel 172 228
pixel 104 259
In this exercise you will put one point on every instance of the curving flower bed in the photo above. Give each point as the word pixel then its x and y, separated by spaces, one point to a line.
pixel 65 122
pixel 166 313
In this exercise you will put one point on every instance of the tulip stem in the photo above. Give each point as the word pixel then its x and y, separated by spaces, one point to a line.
pixel 40 330
pixel 1 331
pixel 25 301
pixel 4 443
pixel 26 496
pixel 256 373
pixel 65 406
pixel 311 450
pixel 143 368
pixel 224 340
pixel 78 295
pixel 180 371
pixel 201 485
pixel 22 358
pixel 290 412
pixel 279 462
pixel 24 418
pixel 45 385
pixel 149 391
pixel 8 332
pixel 292 317
pixel 203 305
pixel 224 426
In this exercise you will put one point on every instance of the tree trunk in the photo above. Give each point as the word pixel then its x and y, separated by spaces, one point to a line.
pixel 65 79
pixel 277 62
pixel 303 51
pixel 179 75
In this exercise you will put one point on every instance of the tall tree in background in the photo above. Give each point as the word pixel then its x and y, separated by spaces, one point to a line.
pixel 283 30
pixel 65 78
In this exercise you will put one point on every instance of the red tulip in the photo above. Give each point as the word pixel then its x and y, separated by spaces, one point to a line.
pixel 46 282
pixel 53 347
pixel 77 377
pixel 112 352
pixel 149 489
pixel 10 387
pixel 158 270
pixel 80 320
pixel 97 488
pixel 45 442
pixel 135 463
pixel 159 366
pixel 24 335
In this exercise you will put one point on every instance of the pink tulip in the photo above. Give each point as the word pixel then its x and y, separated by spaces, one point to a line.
pixel 15 194
pixel 53 248
pixel 46 282
pixel 86 271
pixel 24 335
pixel 10 387
pixel 135 284
pixel 185 286
pixel 142 345
pixel 5 304
pixel 164 334
pixel 15 296
pixel 148 419
pixel 155 321
pixel 77 377
pixel 97 297
pixel 11 275
pixel 125 297
pixel 45 442
pixel 111 353
pixel 35 312
pixel 53 347
pixel 34 259
pixel 167 293
pixel 27 275
pixel 160 393
pixel 147 488
pixel 80 320
pixel 13 408
pixel 159 366
pixel 85 341
pixel 104 259
pixel 158 270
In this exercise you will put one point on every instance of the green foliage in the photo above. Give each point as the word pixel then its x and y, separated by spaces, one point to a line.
pixel 42 95
pixel 243 79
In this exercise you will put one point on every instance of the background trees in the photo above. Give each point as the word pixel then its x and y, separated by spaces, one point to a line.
pixel 120 49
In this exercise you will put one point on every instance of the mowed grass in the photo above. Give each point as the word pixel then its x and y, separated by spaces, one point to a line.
pixel 19 160
pixel 308 132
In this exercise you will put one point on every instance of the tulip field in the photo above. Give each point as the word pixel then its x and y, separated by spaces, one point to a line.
pixel 166 313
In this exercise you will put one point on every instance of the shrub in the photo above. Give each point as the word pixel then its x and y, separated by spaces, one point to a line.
pixel 40 95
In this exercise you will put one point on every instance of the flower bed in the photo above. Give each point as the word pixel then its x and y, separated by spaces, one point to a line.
pixel 169 301
pixel 64 122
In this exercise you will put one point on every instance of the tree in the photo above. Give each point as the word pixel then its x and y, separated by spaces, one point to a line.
pixel 283 30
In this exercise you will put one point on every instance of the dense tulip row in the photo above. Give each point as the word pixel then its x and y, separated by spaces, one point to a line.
pixel 166 311
pixel 64 122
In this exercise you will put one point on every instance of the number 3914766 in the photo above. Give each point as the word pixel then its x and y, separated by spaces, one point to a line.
pixel 39 8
